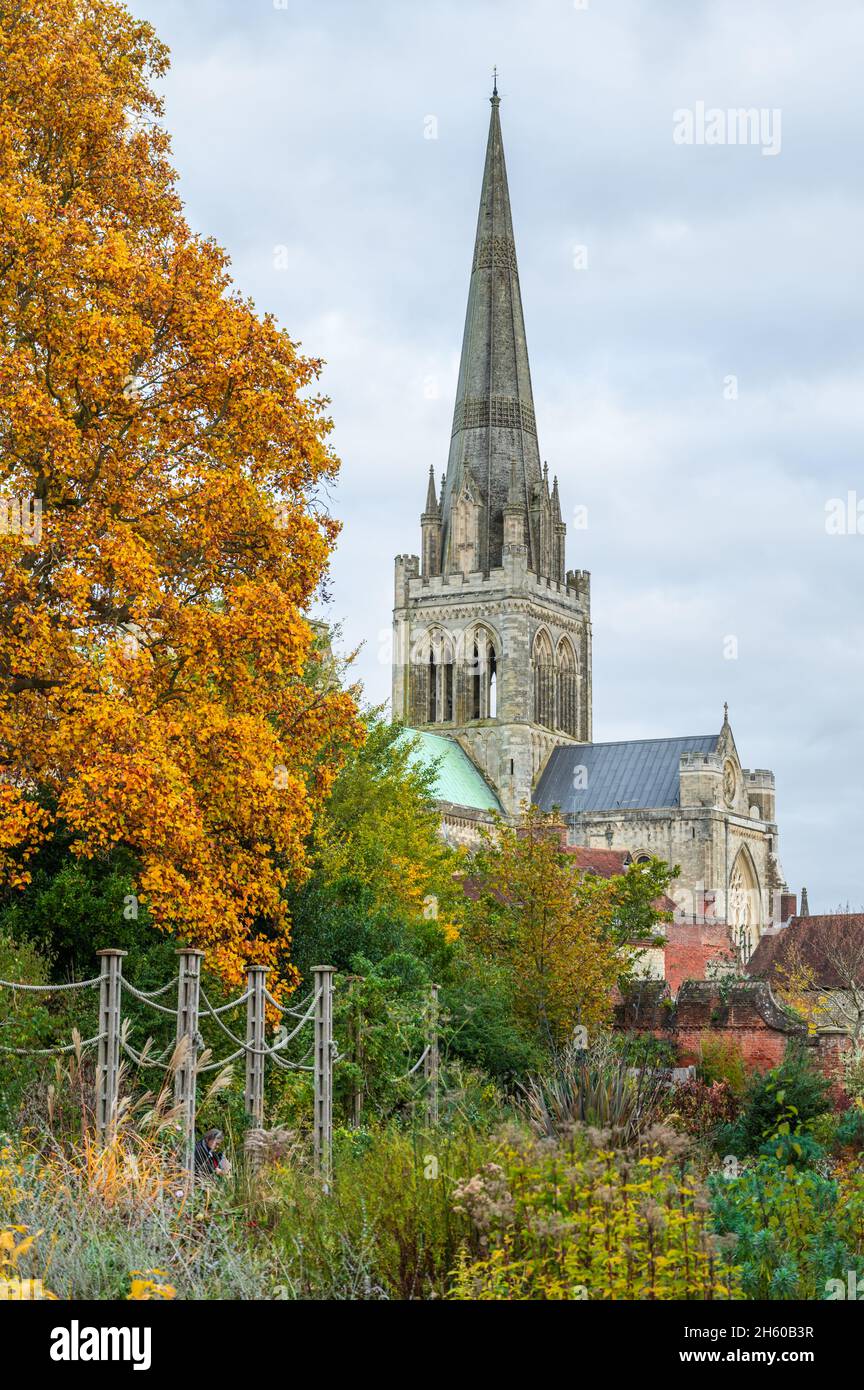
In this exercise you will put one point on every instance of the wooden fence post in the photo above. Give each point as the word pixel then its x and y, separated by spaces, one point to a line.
pixel 256 976
pixel 323 977
pixel 431 1064
pixel 188 988
pixel 108 1063
pixel 356 1011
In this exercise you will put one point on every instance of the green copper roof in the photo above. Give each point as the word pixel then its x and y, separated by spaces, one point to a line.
pixel 458 780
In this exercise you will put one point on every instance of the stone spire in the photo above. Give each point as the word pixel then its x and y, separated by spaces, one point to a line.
pixel 560 532
pixel 493 422
pixel 804 909
pixel 430 531
pixel 431 508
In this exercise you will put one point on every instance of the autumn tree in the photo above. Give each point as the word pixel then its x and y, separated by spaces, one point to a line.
pixel 529 906
pixel 820 973
pixel 641 901
pixel 380 825
pixel 382 879
pixel 164 524
pixel 796 986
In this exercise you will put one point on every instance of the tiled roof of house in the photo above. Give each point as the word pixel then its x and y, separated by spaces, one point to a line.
pixel 606 863
pixel 831 946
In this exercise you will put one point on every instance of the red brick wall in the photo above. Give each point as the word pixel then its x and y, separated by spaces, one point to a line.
pixel 745 1015
pixel 690 947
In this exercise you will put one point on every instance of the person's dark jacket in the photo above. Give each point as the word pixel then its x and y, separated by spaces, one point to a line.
pixel 206 1159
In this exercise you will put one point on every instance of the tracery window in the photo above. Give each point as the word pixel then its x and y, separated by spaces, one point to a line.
pixel 543 664
pixel 483 673
pixel 567 693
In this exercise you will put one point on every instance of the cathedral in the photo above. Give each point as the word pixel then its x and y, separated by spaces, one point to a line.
pixel 492 644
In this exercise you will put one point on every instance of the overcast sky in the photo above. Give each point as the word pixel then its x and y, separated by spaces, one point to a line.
pixel 301 135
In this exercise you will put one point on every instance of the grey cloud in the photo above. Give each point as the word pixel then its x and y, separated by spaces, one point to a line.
pixel 304 129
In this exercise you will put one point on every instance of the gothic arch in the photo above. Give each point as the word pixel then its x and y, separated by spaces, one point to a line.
pixel 481 664
pixel 744 903
pixel 432 678
pixel 543 667
pixel 567 688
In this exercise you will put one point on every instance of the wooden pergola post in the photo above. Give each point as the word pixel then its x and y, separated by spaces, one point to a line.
pixel 432 1061
pixel 188 991
pixel 356 1012
pixel 108 1062
pixel 255 1021
pixel 323 1063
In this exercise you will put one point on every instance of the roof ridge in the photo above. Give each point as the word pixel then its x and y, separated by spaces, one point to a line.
pixel 620 742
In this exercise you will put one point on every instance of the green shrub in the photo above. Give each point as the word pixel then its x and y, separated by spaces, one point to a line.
pixel 824 1130
pixel 720 1060
pixel 644 1050
pixel 480 1022
pixel 29 1019
pixel 388 1228
pixel 793 1148
pixel 792 1231
pixel 849 1133
pixel 784 1101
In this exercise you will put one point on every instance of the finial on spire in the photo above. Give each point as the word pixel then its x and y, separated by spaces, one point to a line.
pixel 495 97
pixel 725 712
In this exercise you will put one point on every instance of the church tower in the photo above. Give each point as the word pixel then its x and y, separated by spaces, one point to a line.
pixel 492 635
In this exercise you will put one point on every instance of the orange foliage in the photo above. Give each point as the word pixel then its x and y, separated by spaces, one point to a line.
pixel 161 539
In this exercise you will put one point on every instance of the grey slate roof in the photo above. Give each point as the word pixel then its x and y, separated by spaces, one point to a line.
pixel 637 774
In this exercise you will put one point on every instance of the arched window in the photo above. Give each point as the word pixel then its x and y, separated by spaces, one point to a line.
pixel 447 682
pixel 433 699
pixel 432 687
pixel 543 665
pixel 744 906
pixel 483 676
pixel 567 693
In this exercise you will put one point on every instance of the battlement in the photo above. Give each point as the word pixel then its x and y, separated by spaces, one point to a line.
pixel 575 589
pixel 701 762
pixel 758 777
pixel 759 791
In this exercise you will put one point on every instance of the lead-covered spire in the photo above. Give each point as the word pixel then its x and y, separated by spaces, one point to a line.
pixel 493 422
